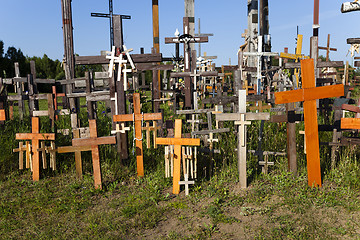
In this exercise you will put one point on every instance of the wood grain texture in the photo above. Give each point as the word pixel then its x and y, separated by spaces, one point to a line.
pixel 350 123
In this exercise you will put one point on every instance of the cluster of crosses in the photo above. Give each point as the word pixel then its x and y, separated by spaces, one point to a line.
pixel 195 84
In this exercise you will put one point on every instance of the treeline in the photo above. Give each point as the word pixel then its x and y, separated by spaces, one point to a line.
pixel 46 68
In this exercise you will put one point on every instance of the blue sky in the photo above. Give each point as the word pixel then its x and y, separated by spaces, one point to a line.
pixel 35 26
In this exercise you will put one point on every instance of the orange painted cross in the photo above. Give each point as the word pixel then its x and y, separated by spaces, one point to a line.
pixel 35 136
pixel 138 117
pixel 308 95
pixel 177 141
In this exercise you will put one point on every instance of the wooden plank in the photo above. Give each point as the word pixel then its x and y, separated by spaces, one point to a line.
pixel 137 58
pixel 138 136
pixel 357 63
pixel 319 64
pixel 70 149
pixel 205 132
pixel 144 67
pixel 353 41
pixel 35 136
pixel 137 116
pixel 350 123
pixel 350 7
pixel 350 108
pixel 93 141
pixel 178 141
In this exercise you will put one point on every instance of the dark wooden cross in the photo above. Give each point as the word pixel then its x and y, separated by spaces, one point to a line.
pixel 186 38
pixel 94 141
pixel 35 136
pixel 328 48
pixel 137 117
pixel 308 95
pixel 110 15
pixel 178 141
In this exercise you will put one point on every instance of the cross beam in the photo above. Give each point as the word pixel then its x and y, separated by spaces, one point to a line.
pixel 308 95
pixel 178 141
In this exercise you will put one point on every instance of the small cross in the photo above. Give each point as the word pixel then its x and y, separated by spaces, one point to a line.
pixel 186 182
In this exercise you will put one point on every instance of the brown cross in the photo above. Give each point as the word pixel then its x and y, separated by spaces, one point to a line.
pixel 93 141
pixel 137 118
pixel 35 136
pixel 328 48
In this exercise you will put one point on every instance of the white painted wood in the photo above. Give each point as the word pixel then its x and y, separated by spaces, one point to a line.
pixel 186 182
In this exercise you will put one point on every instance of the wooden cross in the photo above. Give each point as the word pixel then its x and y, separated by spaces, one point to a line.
pixel 35 136
pixel 186 38
pixel 93 142
pixel 328 48
pixel 178 141
pixel 137 119
pixel 260 107
pixel 149 128
pixel 308 95
pixel 242 118
pixel 186 182
pixel 110 15
pixel 297 56
pixel 27 149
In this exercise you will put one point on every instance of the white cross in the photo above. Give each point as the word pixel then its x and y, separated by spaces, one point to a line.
pixel 112 58
pixel 186 182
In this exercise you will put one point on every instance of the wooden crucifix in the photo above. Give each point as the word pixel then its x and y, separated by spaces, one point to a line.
pixel 186 38
pixel 137 118
pixel 328 48
pixel 242 118
pixel 178 141
pixel 149 128
pixel 94 141
pixel 35 136
pixel 308 95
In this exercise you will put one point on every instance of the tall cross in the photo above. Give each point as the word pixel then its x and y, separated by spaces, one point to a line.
pixel 137 118
pixel 35 136
pixel 187 38
pixel 308 95
pixel 178 141
pixel 328 48
pixel 93 142
pixel 110 15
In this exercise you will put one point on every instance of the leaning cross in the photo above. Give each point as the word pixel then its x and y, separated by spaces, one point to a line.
pixel 94 141
pixel 177 141
pixel 137 118
pixel 308 95
pixel 35 136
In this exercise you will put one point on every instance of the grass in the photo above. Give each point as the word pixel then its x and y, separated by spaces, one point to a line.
pixel 278 205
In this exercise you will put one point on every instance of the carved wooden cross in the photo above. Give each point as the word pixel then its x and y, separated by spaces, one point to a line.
pixel 137 118
pixel 93 142
pixel 178 141
pixel 260 107
pixel 35 136
pixel 308 95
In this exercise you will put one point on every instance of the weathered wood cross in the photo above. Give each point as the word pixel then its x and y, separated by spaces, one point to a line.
pixel 93 142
